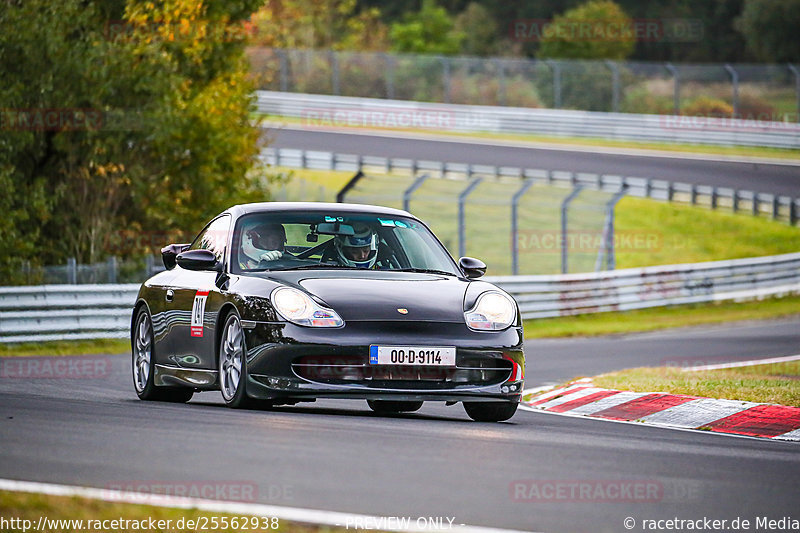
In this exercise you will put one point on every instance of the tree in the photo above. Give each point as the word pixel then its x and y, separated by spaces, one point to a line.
pixel 131 117
pixel 770 29
pixel 479 29
pixel 431 30
pixel 598 29
pixel 334 24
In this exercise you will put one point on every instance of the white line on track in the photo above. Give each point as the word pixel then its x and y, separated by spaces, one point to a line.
pixel 294 514
pixel 737 364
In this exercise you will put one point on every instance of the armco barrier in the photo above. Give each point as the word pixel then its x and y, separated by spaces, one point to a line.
pixel 638 288
pixel 53 312
pixel 339 111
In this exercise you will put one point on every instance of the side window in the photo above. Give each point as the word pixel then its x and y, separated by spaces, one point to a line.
pixel 214 237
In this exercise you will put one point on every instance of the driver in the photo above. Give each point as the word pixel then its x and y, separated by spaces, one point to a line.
pixel 262 242
pixel 359 250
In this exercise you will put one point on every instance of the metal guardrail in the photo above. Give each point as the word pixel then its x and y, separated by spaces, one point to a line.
pixel 777 207
pixel 55 312
pixel 337 111
pixel 639 288
pixel 69 312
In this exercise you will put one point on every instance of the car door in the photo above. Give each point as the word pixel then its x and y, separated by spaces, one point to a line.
pixel 198 300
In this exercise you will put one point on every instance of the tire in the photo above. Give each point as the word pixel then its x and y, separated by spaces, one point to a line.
pixel 490 411
pixel 143 365
pixel 391 406
pixel 233 364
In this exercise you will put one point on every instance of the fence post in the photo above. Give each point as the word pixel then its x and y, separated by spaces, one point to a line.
pixel 149 266
pixel 615 87
pixel 462 198
pixel 284 66
pixel 735 83
pixel 349 185
pixel 555 67
pixel 714 197
pixel 501 74
pixel 515 225
pixel 564 206
pixel 608 233
pixel 792 211
pixel 756 204
pixel 796 73
pixel 334 61
pixel 72 271
pixel 735 200
pixel 414 186
pixel 389 65
pixel 776 207
pixel 112 269
pixel 445 78
pixel 677 87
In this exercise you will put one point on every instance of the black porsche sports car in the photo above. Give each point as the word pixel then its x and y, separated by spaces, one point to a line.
pixel 279 303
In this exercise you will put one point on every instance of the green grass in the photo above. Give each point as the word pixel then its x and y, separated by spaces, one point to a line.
pixel 28 506
pixel 772 383
pixel 729 151
pixel 681 233
pixel 82 347
pixel 660 318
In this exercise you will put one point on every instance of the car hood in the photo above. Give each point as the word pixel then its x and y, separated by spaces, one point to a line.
pixel 426 297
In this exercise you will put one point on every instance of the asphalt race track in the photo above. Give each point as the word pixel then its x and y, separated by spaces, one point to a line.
pixel 765 178
pixel 337 455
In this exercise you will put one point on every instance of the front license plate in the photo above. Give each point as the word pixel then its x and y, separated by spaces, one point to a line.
pixel 412 355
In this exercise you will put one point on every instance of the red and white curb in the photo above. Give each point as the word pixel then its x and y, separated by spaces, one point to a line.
pixel 582 398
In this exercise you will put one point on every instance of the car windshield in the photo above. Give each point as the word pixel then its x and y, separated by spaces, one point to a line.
pixel 334 240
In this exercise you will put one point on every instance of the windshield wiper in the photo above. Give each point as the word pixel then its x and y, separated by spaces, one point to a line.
pixel 424 271
pixel 318 265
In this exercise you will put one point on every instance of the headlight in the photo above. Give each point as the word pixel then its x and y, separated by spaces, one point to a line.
pixel 492 312
pixel 296 306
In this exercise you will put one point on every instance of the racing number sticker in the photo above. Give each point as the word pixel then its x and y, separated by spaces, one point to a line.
pixel 198 310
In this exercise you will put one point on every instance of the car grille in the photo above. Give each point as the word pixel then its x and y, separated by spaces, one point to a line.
pixel 469 370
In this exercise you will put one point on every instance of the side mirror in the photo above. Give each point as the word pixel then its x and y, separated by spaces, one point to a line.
pixel 169 252
pixel 471 267
pixel 197 260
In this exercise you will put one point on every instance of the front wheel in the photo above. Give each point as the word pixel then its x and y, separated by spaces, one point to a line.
pixel 233 364
pixel 391 406
pixel 143 365
pixel 490 411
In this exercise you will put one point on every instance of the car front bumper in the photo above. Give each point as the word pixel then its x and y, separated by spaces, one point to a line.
pixel 286 361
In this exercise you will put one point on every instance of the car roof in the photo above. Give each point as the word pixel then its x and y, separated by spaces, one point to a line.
pixel 323 207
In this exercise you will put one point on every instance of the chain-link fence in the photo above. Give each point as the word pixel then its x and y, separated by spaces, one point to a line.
pixel 515 226
pixel 111 270
pixel 759 92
